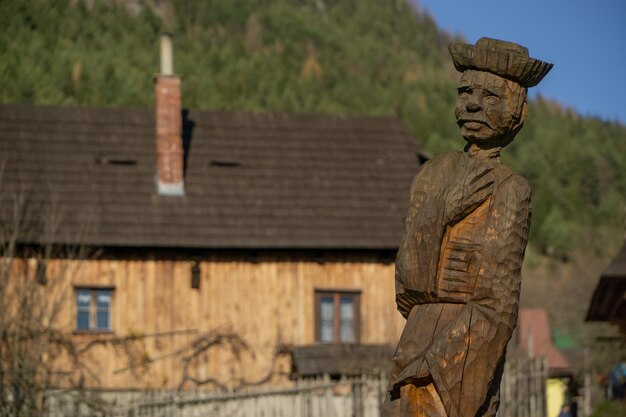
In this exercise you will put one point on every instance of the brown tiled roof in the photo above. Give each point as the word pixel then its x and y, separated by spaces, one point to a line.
pixel 253 180
pixel 535 338
pixel 609 298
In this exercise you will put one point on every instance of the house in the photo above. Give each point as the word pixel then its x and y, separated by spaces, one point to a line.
pixel 608 303
pixel 218 239
pixel 534 338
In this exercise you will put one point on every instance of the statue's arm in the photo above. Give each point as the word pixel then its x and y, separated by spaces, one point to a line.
pixel 463 358
pixel 425 223
pixel 444 191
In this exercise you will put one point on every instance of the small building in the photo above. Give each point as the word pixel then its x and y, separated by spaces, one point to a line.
pixel 608 303
pixel 534 338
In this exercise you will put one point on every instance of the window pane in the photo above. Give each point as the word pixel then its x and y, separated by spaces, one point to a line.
pixel 102 320
pixel 103 307
pixel 103 298
pixel 83 298
pixel 346 320
pixel 326 319
pixel 83 301
pixel 346 308
pixel 327 309
pixel 82 320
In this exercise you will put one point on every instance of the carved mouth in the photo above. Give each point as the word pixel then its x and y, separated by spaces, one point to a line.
pixel 472 124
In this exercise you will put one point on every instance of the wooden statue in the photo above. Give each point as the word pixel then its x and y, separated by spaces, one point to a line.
pixel 458 266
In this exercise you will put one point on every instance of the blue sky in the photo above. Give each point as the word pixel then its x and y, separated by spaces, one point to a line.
pixel 585 40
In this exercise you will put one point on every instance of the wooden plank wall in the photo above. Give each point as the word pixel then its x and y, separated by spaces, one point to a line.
pixel 267 301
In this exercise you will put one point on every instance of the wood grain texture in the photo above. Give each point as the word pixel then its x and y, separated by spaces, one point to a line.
pixel 459 321
pixel 266 302
pixel 458 269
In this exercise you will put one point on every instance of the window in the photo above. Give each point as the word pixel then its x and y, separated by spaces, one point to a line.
pixel 93 309
pixel 337 316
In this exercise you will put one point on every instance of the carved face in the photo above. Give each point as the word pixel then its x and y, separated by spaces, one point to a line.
pixel 488 107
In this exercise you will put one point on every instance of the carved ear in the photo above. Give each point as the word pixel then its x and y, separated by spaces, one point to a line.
pixel 516 123
pixel 524 110
pixel 518 120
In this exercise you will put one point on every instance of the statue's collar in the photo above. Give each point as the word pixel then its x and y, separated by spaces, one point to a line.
pixel 492 153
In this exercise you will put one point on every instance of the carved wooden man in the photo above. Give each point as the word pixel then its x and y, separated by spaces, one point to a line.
pixel 458 266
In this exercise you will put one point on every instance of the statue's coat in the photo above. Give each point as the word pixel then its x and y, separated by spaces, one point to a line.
pixel 458 281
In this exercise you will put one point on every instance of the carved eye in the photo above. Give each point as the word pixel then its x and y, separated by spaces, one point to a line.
pixel 491 99
pixel 464 94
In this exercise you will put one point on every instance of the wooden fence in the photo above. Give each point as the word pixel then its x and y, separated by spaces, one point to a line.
pixel 523 388
pixel 522 395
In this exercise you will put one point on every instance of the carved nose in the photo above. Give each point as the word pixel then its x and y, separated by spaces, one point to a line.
pixel 473 105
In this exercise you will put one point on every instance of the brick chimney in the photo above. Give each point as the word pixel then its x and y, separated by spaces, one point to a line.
pixel 169 141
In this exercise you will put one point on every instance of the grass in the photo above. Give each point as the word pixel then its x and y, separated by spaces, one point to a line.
pixel 610 409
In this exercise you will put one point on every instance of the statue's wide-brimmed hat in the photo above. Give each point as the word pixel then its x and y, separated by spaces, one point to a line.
pixel 506 59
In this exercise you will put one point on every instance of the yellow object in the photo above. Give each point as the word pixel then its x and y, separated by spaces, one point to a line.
pixel 555 393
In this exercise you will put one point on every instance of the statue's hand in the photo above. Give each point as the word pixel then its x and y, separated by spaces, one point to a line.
pixel 465 196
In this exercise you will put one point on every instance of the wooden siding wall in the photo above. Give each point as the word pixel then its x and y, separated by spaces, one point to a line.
pixel 267 302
